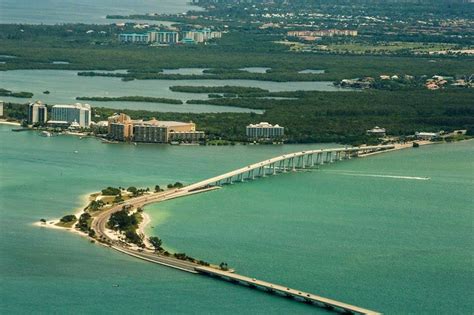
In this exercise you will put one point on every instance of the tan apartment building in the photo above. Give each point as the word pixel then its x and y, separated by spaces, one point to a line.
pixel 122 128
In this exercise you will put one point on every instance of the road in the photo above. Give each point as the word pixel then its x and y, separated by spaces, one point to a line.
pixel 99 225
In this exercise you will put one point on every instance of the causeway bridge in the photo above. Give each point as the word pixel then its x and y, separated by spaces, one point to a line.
pixel 280 164
pixel 286 163
pixel 284 291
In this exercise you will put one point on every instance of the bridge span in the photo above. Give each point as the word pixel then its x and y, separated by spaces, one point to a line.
pixel 285 291
pixel 285 163
pixel 279 164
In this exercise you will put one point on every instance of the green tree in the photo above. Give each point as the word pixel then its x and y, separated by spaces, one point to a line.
pixel 133 237
pixel 133 190
pixel 155 242
pixel 68 218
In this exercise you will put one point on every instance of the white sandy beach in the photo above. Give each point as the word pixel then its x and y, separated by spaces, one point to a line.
pixel 11 123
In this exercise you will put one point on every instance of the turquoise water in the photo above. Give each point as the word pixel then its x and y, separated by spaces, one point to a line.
pixel 66 85
pixel 84 11
pixel 393 245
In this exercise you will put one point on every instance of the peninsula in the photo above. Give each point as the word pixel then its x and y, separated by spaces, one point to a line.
pixel 106 211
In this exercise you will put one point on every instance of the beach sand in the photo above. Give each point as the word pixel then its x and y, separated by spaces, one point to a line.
pixel 11 123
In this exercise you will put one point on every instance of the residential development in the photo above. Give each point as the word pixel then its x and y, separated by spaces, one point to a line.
pixel 37 113
pixel 171 37
pixel 77 115
pixel 318 34
pixel 264 130
pixel 122 128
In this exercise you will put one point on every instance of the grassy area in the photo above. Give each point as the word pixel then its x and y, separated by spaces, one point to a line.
pixel 66 224
pixel 361 47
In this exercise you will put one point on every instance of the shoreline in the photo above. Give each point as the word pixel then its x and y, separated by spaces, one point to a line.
pixel 401 146
pixel 10 123
pixel 51 223
pixel 145 217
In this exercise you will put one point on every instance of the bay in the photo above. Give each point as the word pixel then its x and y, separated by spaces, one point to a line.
pixel 84 11
pixel 393 245
pixel 66 85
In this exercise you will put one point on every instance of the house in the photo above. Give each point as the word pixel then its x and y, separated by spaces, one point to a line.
pixel 427 135
pixel 377 131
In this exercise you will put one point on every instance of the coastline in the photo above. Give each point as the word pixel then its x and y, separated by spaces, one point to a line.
pixel 51 223
pixel 111 237
pixel 401 146
pixel 11 123
pixel 146 218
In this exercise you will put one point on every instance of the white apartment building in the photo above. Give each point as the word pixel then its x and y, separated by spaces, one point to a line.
pixel 264 130
pixel 79 113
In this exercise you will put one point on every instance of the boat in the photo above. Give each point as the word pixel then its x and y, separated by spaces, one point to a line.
pixel 46 134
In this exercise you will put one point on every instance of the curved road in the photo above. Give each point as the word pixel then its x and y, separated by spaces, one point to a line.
pixel 99 225
pixel 99 222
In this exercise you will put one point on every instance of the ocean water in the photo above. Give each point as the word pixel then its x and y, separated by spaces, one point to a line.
pixel 84 11
pixel 393 243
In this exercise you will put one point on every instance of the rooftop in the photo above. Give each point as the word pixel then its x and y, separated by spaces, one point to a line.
pixel 264 124
pixel 77 105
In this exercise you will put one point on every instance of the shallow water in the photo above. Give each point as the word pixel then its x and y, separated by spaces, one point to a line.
pixel 66 85
pixel 83 11
pixel 394 245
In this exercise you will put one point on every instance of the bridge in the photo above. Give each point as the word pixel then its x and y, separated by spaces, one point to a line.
pixel 281 164
pixel 286 163
pixel 285 291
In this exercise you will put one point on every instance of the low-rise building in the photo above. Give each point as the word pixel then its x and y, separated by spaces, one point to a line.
pixel 322 33
pixel 100 127
pixel 134 38
pixel 427 135
pixel 264 130
pixel 37 113
pixel 377 131
pixel 186 136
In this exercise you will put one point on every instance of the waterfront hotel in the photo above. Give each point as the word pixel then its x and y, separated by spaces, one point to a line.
pixel 122 128
pixel 79 114
pixel 37 113
pixel 264 130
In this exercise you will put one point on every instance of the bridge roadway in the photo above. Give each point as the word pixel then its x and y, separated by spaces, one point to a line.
pixel 99 225
pixel 285 291
pixel 286 162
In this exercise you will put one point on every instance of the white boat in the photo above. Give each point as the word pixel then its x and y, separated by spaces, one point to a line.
pixel 46 134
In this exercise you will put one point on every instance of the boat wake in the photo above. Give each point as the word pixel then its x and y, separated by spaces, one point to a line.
pixel 384 176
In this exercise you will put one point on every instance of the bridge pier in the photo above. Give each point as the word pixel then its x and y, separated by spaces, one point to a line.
pixel 285 163
pixel 320 158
